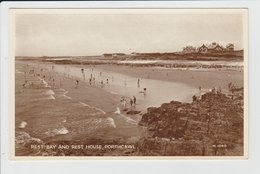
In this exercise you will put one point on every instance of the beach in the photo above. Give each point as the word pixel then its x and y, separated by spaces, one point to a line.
pixel 50 105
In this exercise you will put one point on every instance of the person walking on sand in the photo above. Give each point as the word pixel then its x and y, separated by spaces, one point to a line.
pixel 102 83
pixel 124 103
pixel 144 90
pixel 77 83
pixel 131 102
pixel 125 81
pixel 134 99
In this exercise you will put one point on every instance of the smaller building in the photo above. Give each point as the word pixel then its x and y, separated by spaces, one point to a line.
pixel 230 47
pixel 107 55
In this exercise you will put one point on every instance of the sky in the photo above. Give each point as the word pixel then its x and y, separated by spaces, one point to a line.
pixel 88 33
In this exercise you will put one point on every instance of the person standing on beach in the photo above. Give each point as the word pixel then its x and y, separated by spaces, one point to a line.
pixel 125 81
pixel 107 81
pixel 138 83
pixel 77 83
pixel 102 83
pixel 134 99
pixel 199 88
pixel 145 91
pixel 131 102
pixel 124 102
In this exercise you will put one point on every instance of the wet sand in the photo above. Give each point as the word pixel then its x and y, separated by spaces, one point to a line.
pixel 162 84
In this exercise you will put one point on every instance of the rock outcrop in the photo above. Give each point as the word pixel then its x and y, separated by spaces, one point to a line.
pixel 212 125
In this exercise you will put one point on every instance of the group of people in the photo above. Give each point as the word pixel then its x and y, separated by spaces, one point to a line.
pixel 132 101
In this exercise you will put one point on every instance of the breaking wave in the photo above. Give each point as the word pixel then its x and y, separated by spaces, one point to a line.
pixel 22 139
pixel 50 97
pixel 23 124
pixel 110 121
pixel 127 119
pixel 86 105
pixel 117 111
pixel 17 71
pixel 45 84
pixel 65 96
pixel 49 92
pixel 57 131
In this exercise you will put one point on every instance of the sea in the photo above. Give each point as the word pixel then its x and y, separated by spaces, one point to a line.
pixel 47 112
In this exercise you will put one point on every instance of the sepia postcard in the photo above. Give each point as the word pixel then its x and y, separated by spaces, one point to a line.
pixel 128 84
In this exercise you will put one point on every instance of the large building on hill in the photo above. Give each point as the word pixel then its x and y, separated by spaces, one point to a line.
pixel 213 47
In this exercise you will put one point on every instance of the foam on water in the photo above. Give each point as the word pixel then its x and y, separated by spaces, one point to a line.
pixel 23 124
pixel 50 97
pixel 127 119
pixel 17 71
pixel 44 82
pixel 103 122
pixel 86 105
pixel 23 138
pixel 63 90
pixel 65 96
pixel 49 92
pixel 113 92
pixel 117 111
pixel 111 122
pixel 57 131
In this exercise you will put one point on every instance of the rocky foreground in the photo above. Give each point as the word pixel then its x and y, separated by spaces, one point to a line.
pixel 210 126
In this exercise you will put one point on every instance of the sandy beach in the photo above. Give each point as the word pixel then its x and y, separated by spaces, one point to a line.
pixel 62 109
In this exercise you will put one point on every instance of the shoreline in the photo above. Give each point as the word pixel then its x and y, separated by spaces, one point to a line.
pixel 107 101
pixel 189 77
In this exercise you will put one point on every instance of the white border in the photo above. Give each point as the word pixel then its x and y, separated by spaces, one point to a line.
pixel 244 166
pixel 11 86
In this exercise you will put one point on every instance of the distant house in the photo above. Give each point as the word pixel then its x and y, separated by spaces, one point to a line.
pixel 211 48
pixel 230 47
pixel 202 49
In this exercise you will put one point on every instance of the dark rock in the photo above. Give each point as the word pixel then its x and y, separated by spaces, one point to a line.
pixel 133 112
pixel 197 127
